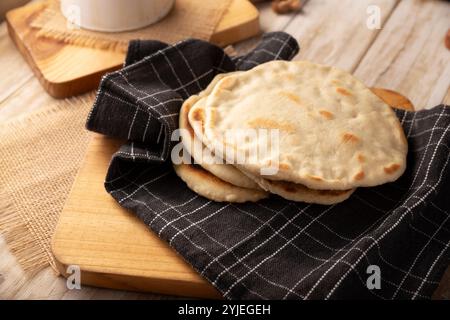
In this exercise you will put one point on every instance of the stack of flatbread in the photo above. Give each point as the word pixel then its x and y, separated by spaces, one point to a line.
pixel 333 135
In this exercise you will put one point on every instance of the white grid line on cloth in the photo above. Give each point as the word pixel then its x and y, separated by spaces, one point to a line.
pixel 411 126
pixel 417 118
pixel 174 73
pixel 396 223
pixel 431 144
pixel 430 269
pixel 283 45
pixel 133 155
pixel 178 88
pixel 439 209
pixel 426 131
pixel 189 67
pixel 143 186
pixel 149 117
pixel 161 129
pixel 426 235
pixel 431 221
pixel 421 213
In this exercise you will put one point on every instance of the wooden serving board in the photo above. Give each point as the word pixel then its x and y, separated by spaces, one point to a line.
pixel 116 250
pixel 65 70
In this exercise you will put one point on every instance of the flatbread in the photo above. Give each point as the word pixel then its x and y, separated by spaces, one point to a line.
pixel 335 133
pixel 212 188
pixel 285 189
pixel 203 157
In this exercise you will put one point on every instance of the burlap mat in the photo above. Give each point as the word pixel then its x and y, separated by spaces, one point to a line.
pixel 187 19
pixel 40 155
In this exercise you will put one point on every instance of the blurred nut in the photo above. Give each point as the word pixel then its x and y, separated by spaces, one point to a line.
pixel 286 6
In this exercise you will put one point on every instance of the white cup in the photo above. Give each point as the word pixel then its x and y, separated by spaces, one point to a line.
pixel 115 15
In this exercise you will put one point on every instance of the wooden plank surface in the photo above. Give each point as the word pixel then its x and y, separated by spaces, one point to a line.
pixel 409 55
pixel 336 34
pixel 45 284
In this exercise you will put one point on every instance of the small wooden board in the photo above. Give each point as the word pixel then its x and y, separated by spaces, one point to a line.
pixel 116 250
pixel 65 70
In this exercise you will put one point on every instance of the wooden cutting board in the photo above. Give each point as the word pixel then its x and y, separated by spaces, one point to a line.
pixel 65 70
pixel 116 250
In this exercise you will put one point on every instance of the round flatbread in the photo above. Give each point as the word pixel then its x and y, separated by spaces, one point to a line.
pixel 285 189
pixel 334 132
pixel 212 188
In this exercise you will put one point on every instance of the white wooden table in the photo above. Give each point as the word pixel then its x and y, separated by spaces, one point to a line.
pixel 407 54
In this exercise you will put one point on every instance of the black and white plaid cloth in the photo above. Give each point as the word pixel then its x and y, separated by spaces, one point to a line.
pixel 274 248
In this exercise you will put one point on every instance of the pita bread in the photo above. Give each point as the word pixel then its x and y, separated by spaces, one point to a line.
pixel 212 188
pixel 285 189
pixel 199 152
pixel 335 133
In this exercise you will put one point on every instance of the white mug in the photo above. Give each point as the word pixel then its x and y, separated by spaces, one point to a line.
pixel 115 15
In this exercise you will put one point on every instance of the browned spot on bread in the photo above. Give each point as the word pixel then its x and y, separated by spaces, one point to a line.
pixel 336 82
pixel 264 123
pixel 291 96
pixel 343 92
pixel 361 158
pixel 316 178
pixel 349 138
pixel 359 176
pixel 198 114
pixel 284 166
pixel 326 114
pixel 289 188
pixel 332 192
pixel 227 83
pixel 392 168
pixel 290 76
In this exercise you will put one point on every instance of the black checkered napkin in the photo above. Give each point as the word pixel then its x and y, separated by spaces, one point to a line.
pixel 273 248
